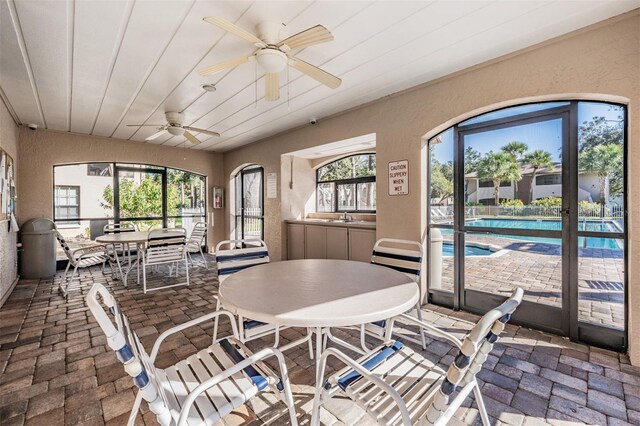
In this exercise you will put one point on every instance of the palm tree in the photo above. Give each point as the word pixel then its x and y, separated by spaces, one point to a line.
pixel 498 167
pixel 516 150
pixel 538 159
pixel 603 160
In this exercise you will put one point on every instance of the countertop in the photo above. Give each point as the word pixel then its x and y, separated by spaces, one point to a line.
pixel 332 222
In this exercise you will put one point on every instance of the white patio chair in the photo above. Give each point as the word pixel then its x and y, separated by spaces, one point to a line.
pixel 397 386
pixel 84 257
pixel 165 246
pixel 120 249
pixel 404 256
pixel 199 390
pixel 239 255
pixel 196 239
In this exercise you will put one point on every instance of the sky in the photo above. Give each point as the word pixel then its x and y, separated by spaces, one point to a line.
pixel 544 135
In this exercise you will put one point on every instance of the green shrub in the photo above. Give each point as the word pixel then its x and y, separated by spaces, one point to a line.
pixel 586 208
pixel 548 202
pixel 511 203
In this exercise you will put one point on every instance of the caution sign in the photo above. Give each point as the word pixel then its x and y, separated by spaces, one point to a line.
pixel 399 177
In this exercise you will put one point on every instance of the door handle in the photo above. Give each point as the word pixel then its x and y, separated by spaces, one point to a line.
pixel 564 212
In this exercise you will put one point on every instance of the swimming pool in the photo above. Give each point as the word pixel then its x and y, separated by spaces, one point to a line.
pixel 447 250
pixel 553 225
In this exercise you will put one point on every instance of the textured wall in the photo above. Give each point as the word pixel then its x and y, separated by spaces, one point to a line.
pixel 40 150
pixel 8 142
pixel 599 62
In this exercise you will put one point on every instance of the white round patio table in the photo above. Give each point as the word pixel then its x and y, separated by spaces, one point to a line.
pixel 318 294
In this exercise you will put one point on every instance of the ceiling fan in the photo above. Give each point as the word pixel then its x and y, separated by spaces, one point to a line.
pixel 273 53
pixel 174 127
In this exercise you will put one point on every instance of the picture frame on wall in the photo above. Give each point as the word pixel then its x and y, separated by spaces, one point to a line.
pixel 218 197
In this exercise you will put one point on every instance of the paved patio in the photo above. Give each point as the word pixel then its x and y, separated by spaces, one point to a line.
pixel 56 369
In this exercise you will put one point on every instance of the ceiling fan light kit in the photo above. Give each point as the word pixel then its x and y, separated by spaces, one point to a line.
pixel 175 127
pixel 273 53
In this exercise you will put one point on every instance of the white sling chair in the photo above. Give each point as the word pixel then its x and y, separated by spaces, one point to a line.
pixel 199 390
pixel 404 256
pixel 165 246
pixel 196 239
pixel 397 386
pixel 84 257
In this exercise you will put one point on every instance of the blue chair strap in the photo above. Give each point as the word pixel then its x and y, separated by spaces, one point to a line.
pixel 400 268
pixel 371 363
pixel 416 259
pixel 241 256
pixel 259 380
pixel 248 324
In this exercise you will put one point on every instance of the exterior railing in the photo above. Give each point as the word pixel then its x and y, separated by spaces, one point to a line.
pixel 598 212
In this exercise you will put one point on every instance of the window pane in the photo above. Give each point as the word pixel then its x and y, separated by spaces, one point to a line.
pixel 324 198
pixel 600 164
pixel 496 264
pixel 510 112
pixel 441 268
pixel 441 177
pixel 513 176
pixel 141 196
pixel 349 168
pixel 99 169
pixel 185 193
pixel 601 281
pixel 347 197
pixel 367 196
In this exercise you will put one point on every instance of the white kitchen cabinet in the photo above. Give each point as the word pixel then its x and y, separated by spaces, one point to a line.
pixel 361 242
pixel 295 241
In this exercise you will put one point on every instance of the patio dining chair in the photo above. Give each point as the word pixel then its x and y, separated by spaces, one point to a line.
pixel 165 247
pixel 233 256
pixel 397 386
pixel 120 249
pixel 404 256
pixel 198 390
pixel 84 257
pixel 195 242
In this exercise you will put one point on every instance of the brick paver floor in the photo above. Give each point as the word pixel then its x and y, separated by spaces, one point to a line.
pixel 56 369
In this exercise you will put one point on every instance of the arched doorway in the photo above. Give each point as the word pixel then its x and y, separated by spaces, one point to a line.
pixel 534 196
pixel 249 202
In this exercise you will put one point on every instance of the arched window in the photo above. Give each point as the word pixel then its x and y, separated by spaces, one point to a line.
pixel 347 185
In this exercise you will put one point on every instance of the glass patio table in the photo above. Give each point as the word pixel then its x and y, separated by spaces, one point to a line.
pixel 318 294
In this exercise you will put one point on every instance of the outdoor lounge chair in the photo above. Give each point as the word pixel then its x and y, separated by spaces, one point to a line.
pixel 397 386
pixel 84 257
pixel 199 390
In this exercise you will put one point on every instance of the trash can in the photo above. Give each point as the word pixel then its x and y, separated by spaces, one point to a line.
pixel 38 249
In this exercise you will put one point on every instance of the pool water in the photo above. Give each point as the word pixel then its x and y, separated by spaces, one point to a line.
pixel 553 225
pixel 447 251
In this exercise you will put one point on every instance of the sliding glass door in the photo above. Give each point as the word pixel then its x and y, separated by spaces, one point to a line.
pixel 533 197
pixel 249 185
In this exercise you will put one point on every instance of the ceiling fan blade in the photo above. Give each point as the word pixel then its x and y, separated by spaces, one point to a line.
pixel 234 29
pixel 145 125
pixel 203 131
pixel 308 37
pixel 312 71
pixel 191 138
pixel 156 135
pixel 224 65
pixel 272 86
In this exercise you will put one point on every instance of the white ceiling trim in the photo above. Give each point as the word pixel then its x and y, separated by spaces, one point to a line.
pixel 25 56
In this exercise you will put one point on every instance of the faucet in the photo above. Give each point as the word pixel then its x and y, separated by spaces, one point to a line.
pixel 346 217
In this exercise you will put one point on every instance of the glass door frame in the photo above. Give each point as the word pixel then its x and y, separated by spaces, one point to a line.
pixel 240 182
pixel 564 320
